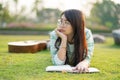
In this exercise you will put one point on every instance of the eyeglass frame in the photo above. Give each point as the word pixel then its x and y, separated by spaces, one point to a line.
pixel 64 23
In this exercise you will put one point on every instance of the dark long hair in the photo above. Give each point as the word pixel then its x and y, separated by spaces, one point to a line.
pixel 77 21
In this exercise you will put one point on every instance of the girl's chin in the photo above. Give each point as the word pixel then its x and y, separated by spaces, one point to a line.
pixel 63 32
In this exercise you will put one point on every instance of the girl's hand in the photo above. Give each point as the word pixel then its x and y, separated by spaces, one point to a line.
pixel 81 67
pixel 60 34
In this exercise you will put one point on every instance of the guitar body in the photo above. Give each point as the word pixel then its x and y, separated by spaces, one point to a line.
pixel 26 46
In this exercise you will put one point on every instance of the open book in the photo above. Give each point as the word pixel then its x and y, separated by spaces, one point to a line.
pixel 68 68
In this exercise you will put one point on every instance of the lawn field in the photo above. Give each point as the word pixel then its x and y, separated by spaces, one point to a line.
pixel 28 66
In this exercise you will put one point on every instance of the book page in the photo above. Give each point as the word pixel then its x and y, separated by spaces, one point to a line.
pixel 59 68
pixel 68 68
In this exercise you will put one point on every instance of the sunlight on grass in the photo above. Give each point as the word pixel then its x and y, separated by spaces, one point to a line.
pixel 32 66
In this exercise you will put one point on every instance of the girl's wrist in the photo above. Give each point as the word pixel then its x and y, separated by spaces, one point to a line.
pixel 64 38
pixel 63 43
pixel 63 47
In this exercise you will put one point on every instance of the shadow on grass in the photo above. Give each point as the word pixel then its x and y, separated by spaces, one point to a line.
pixel 114 46
pixel 39 52
pixel 4 52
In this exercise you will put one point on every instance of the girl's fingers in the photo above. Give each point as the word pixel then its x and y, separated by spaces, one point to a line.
pixel 83 70
pixel 86 70
pixel 74 68
pixel 80 69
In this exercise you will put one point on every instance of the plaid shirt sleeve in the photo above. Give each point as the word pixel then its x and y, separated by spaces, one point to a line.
pixel 90 44
pixel 53 50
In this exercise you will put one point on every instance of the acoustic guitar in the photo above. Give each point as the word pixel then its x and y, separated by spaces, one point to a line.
pixel 30 46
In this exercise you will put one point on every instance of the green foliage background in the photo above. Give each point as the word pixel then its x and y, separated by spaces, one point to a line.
pixel 106 13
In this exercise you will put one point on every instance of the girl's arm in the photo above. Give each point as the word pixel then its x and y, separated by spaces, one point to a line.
pixel 58 56
pixel 90 44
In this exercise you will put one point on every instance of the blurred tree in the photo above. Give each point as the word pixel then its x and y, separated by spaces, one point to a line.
pixel 5 16
pixel 16 10
pixel 21 16
pixel 0 7
pixel 48 15
pixel 16 3
pixel 36 7
pixel 106 13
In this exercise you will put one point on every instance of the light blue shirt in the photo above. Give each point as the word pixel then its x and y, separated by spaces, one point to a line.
pixel 70 47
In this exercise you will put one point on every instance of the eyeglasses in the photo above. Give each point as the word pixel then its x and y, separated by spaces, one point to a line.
pixel 64 23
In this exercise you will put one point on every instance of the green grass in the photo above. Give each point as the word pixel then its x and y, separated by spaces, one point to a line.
pixel 32 66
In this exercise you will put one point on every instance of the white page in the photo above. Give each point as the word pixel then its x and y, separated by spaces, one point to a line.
pixel 68 68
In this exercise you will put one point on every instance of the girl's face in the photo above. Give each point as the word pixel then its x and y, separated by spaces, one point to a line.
pixel 64 26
